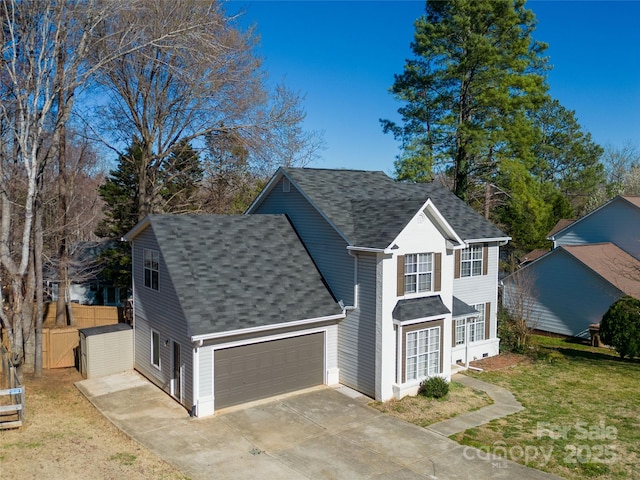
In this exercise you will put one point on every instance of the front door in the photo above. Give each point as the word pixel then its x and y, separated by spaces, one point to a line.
pixel 177 372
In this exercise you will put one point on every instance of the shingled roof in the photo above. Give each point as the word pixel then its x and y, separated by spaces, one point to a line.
pixel 610 262
pixel 232 272
pixel 370 209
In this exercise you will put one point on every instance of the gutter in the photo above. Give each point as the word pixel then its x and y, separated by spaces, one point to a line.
pixel 264 328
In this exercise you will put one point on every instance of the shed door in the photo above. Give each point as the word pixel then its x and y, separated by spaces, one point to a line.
pixel 260 370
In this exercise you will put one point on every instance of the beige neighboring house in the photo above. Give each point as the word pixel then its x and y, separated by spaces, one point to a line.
pixel 594 261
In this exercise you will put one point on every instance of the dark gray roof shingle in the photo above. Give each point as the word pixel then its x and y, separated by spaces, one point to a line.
pixel 240 271
pixel 462 309
pixel 423 307
pixel 371 209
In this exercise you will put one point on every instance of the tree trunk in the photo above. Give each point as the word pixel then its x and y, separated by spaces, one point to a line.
pixel 37 260
pixel 61 149
pixel 487 200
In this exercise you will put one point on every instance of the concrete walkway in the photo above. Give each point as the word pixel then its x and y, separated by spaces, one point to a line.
pixel 504 403
pixel 323 433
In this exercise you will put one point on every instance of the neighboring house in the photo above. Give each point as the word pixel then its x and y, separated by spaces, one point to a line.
pixel 229 309
pixel 332 276
pixel 617 221
pixel 86 287
pixel 595 261
pixel 415 267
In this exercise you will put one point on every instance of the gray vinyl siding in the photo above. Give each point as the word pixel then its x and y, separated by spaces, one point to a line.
pixel 482 288
pixel 325 245
pixel 618 222
pixel 159 310
pixel 357 333
pixel 567 296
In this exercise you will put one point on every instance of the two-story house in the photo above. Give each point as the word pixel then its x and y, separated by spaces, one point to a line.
pixel 415 267
pixel 333 276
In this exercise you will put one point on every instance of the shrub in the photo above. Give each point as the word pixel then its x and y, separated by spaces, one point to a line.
pixel 620 327
pixel 434 387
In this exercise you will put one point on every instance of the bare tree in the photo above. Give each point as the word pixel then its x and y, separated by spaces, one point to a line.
pixel 202 80
pixel 43 65
pixel 519 303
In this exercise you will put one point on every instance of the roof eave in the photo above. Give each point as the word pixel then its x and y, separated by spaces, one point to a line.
pixel 137 229
pixel 487 240
pixel 265 328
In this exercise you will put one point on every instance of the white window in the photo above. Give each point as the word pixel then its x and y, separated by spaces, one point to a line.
pixel 476 324
pixel 460 330
pixel 471 261
pixel 151 268
pixel 155 349
pixel 423 353
pixel 418 273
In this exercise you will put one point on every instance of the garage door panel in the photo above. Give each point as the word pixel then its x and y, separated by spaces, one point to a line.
pixel 260 370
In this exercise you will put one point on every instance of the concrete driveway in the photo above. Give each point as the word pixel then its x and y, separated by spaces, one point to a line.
pixel 323 433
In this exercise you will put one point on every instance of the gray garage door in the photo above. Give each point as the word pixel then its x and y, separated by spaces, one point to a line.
pixel 261 370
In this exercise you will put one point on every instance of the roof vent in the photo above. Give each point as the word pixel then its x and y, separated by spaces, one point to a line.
pixel 286 185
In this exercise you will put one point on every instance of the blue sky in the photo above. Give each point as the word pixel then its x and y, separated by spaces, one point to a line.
pixel 343 55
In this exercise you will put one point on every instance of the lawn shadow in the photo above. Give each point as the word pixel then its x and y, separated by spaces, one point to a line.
pixel 591 355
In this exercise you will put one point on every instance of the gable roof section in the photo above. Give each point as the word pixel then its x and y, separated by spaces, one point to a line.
pixel 611 263
pixel 557 229
pixel 234 272
pixel 561 225
pixel 370 209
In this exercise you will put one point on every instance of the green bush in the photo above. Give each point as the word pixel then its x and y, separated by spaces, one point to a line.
pixel 434 387
pixel 620 327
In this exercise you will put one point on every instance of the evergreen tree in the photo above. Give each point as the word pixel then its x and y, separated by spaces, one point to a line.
pixel 475 75
pixel 120 194
pixel 172 191
pixel 180 176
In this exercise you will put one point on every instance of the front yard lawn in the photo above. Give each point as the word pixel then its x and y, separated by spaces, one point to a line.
pixel 582 416
pixel 424 411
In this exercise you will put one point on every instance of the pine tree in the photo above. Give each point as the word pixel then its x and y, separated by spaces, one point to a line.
pixel 475 75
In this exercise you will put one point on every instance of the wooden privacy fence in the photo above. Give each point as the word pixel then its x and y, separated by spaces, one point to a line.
pixel 59 343
pixel 12 399
pixel 85 315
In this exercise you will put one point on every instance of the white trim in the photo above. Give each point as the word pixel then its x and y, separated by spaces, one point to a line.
pixel 486 240
pixel 159 365
pixel 268 338
pixel 265 328
pixel 368 249
pixel 439 222
pixel 407 323
pixel 137 229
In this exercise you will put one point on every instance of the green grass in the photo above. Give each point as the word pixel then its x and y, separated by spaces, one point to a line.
pixel 581 417
pixel 124 458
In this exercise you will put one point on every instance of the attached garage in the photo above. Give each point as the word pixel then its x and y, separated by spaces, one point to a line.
pixel 265 369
